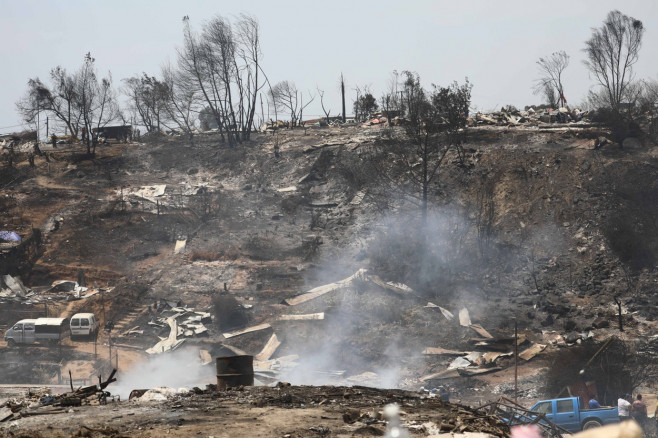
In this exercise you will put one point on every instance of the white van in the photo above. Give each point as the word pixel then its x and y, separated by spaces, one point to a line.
pixel 43 330
pixel 84 324
pixel 21 333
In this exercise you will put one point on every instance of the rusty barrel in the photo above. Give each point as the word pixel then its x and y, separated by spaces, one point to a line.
pixel 235 371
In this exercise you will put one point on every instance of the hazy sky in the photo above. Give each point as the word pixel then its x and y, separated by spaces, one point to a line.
pixel 493 43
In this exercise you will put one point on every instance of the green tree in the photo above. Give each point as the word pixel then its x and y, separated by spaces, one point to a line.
pixel 364 106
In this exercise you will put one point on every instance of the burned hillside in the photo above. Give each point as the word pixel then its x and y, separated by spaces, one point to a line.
pixel 289 247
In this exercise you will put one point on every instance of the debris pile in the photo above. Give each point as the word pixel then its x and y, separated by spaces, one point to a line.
pixel 183 323
pixel 14 289
pixel 360 276
pixel 509 115
pixel 41 402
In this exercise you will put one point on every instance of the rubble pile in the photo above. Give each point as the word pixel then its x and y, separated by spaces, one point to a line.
pixel 12 289
pixel 42 402
pixel 191 323
pixel 509 115
pixel 183 323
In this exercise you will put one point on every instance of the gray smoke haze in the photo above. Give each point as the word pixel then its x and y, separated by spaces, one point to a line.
pixel 368 330
pixel 179 369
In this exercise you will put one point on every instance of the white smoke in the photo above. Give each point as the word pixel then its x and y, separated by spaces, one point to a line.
pixel 377 339
pixel 178 369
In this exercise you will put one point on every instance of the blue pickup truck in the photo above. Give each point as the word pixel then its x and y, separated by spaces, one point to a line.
pixel 571 415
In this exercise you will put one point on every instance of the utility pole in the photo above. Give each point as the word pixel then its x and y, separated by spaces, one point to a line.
pixel 342 93
pixel 47 127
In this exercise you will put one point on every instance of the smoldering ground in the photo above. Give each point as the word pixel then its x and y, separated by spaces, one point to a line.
pixel 179 369
pixel 370 330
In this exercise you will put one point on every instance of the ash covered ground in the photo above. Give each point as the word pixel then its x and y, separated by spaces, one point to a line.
pixel 535 226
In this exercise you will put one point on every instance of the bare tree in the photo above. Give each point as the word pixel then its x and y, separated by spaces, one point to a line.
pixel 59 100
pixel 79 100
pixel 248 34
pixel 86 95
pixel 391 102
pixel 549 83
pixel 221 66
pixel 198 72
pixel 611 52
pixel 95 100
pixel 303 106
pixel 107 105
pixel 285 97
pixel 437 119
pixel 148 97
pixel 324 110
pixel 181 103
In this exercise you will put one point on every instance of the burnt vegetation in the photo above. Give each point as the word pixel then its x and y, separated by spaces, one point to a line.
pixel 538 222
pixel 617 367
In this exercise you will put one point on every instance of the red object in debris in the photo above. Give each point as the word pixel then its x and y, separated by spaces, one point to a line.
pixel 583 390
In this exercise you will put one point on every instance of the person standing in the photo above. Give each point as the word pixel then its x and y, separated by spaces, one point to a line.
pixel 624 408
pixel 639 411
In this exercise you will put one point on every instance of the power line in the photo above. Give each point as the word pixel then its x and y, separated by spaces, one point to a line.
pixel 13 126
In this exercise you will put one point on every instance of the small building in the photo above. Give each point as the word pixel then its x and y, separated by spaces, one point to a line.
pixel 120 133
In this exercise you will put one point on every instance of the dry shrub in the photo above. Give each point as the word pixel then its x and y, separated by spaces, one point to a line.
pixel 261 246
pixel 630 240
pixel 232 253
pixel 232 156
pixel 356 172
pixel 617 368
pixel 290 204
pixel 206 256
